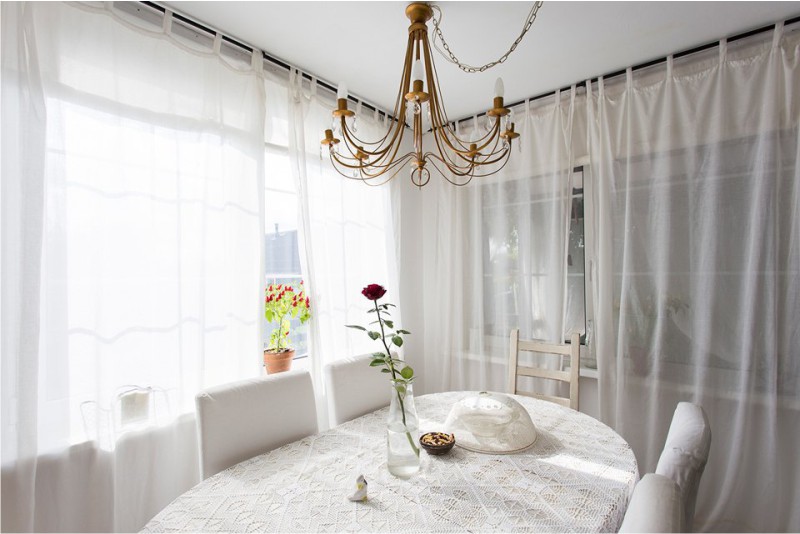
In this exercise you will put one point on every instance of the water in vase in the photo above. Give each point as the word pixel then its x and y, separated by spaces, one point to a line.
pixel 402 457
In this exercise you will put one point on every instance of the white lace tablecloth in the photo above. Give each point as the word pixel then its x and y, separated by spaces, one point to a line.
pixel 577 477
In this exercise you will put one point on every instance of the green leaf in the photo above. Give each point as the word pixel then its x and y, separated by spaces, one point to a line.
pixel 401 331
pixel 397 340
pixel 388 323
pixel 269 316
pixel 356 327
pixel 400 389
pixel 373 335
pixel 386 305
pixel 379 355
pixel 407 372
pixel 376 363
pixel 384 370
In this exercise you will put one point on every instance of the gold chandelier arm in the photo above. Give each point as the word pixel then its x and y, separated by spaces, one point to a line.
pixel 370 181
pixel 458 170
pixel 357 164
pixel 398 127
pixel 468 174
pixel 351 141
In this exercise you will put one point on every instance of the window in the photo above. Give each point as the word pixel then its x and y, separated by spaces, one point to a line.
pixel 281 246
pixel 520 256
pixel 575 319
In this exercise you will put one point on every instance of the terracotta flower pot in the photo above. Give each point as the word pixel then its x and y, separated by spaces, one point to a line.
pixel 278 362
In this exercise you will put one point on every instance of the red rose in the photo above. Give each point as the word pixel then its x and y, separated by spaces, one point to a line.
pixel 373 292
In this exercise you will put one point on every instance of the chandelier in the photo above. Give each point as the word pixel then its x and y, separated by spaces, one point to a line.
pixel 458 160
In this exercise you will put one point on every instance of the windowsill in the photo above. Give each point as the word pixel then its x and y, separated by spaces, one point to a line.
pixel 587 372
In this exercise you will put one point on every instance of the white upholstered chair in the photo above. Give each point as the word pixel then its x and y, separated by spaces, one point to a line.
pixel 656 506
pixel 354 388
pixel 686 453
pixel 239 420
pixel 571 377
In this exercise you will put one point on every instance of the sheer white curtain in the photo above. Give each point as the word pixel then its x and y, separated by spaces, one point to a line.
pixel 496 254
pixel 697 167
pixel 132 241
pixel 346 231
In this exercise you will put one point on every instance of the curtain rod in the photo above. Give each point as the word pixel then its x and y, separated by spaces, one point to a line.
pixel 275 61
pixel 650 63
pixel 282 64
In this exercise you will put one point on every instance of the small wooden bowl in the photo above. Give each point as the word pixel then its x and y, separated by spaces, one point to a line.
pixel 437 443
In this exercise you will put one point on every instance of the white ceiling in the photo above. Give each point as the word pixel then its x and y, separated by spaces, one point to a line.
pixel 363 43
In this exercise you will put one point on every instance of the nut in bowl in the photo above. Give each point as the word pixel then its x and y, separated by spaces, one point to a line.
pixel 437 443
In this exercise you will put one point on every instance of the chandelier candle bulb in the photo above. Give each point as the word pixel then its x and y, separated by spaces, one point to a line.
pixel 419 72
pixel 499 88
pixel 341 92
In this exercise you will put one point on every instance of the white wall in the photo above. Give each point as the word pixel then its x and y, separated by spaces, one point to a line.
pixel 411 269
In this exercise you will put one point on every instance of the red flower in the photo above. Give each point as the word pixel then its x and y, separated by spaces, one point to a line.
pixel 306 302
pixel 373 292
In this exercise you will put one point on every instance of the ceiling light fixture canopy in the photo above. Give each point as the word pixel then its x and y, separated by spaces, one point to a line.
pixel 457 160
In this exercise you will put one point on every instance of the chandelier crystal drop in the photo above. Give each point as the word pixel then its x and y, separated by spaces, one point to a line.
pixel 458 160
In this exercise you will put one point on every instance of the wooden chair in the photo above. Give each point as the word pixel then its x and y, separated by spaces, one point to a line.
pixel 571 349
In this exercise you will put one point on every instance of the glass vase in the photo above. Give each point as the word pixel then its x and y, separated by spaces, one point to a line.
pixel 402 432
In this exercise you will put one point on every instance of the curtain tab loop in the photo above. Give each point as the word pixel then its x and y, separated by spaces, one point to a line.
pixel 257 61
pixel 723 50
pixel 313 89
pixel 669 66
pixel 218 43
pixel 629 78
pixel 474 123
pixel 527 107
pixel 359 106
pixel 166 24
pixel 295 85
pixel 601 87
pixel 777 35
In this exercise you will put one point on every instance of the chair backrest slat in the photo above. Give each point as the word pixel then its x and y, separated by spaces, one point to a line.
pixel 538 372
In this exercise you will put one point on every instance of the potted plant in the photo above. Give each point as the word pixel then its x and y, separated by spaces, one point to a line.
pixel 282 303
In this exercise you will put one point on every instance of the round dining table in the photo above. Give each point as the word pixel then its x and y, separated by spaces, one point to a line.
pixel 576 477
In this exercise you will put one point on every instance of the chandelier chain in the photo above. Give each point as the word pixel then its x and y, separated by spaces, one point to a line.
pixel 449 56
